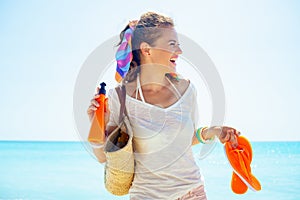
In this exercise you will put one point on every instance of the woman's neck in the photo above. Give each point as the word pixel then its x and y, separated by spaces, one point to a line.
pixel 153 78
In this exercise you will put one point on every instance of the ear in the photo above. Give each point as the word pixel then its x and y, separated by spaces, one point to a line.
pixel 145 48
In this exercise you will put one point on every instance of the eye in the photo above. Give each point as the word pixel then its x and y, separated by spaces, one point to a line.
pixel 173 43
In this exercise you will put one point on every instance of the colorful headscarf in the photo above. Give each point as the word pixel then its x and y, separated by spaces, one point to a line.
pixel 124 53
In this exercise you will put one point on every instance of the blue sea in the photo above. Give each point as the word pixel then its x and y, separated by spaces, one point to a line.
pixel 67 170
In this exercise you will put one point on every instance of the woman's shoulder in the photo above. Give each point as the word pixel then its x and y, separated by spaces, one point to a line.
pixel 183 85
pixel 130 88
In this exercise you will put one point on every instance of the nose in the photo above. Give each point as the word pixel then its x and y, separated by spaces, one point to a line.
pixel 178 50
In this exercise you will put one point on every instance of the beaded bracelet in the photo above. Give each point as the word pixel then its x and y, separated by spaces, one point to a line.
pixel 200 137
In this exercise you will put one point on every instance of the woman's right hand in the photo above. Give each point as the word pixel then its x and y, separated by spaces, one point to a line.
pixel 95 105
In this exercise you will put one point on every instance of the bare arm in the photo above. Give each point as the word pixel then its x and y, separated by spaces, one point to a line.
pixel 195 139
pixel 224 133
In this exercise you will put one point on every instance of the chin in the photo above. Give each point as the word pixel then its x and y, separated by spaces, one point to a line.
pixel 172 69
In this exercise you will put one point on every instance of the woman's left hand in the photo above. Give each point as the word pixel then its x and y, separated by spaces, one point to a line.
pixel 228 134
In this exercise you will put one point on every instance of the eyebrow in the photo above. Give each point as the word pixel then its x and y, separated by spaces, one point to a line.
pixel 172 41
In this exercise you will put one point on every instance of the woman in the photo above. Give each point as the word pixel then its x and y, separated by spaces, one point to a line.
pixel 162 109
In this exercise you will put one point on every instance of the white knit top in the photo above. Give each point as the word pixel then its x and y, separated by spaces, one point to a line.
pixel 164 162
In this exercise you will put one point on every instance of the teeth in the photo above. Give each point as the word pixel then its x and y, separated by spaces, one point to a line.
pixel 173 59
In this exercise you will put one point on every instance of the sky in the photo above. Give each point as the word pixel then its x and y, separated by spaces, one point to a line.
pixel 255 46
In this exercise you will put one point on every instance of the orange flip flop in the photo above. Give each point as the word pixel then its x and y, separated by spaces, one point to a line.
pixel 237 185
pixel 240 159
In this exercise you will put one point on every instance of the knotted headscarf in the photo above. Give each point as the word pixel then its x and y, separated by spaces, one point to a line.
pixel 124 53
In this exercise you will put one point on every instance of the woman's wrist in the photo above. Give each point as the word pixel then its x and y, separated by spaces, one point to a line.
pixel 211 132
pixel 96 145
pixel 205 135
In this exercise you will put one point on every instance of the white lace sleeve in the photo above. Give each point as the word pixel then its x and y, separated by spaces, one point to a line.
pixel 195 109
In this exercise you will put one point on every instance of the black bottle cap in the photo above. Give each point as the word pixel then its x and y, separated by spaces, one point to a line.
pixel 102 88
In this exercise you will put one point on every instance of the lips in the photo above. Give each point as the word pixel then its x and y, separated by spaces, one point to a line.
pixel 173 60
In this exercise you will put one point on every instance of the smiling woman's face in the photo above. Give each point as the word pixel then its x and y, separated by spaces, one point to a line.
pixel 166 50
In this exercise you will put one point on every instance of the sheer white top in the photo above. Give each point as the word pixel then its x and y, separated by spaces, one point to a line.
pixel 164 163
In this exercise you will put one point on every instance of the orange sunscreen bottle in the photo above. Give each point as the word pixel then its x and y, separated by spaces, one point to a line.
pixel 97 130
